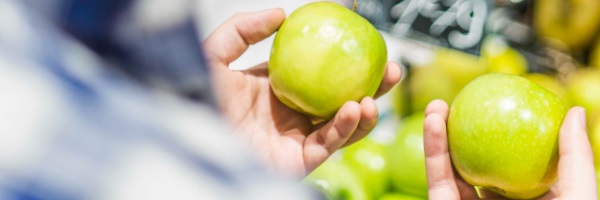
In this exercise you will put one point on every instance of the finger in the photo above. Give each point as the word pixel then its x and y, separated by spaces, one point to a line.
pixel 391 77
pixel 437 106
pixel 260 70
pixel 233 37
pixel 320 144
pixel 440 177
pixel 576 175
pixel 368 120
pixel 551 194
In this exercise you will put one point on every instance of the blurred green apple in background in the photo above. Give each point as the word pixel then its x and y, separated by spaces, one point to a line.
pixel 551 84
pixel 503 135
pixel 461 67
pixel 575 23
pixel 427 84
pixel 400 102
pixel 337 181
pixel 584 89
pixel 400 196
pixel 595 55
pixel 323 56
pixel 407 157
pixel 441 77
pixel 501 58
pixel 368 158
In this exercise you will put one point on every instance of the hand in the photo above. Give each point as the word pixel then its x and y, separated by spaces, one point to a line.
pixel 286 139
pixel 576 175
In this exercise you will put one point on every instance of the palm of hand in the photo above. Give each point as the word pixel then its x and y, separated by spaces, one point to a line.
pixel 263 120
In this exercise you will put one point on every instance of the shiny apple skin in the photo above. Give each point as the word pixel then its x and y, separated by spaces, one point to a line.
pixel 503 135
pixel 323 56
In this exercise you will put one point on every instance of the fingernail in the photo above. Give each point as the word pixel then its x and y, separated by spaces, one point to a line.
pixel 582 118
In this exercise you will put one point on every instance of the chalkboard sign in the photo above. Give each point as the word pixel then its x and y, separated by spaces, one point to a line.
pixel 457 24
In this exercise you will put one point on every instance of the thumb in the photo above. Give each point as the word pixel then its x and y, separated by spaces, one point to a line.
pixel 233 37
pixel 576 174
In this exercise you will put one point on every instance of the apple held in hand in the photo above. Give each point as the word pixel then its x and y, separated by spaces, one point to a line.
pixel 503 135
pixel 323 56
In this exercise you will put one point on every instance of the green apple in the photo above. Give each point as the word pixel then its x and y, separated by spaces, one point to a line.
pixel 501 58
pixel 594 135
pixel 461 67
pixel 400 196
pixel 575 23
pixel 323 56
pixel 551 84
pixel 503 135
pixel 337 181
pixel 368 157
pixel 584 89
pixel 407 157
pixel 595 55
pixel 426 84
pixel 400 102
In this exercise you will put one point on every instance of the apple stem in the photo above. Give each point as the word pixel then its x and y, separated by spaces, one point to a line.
pixel 354 5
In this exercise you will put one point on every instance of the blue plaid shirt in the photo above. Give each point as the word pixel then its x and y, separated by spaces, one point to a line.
pixel 111 100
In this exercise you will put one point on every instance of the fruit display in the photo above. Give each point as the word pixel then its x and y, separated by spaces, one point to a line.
pixel 369 158
pixel 561 20
pixel 503 135
pixel 437 84
pixel 501 58
pixel 394 170
pixel 584 90
pixel 337 180
pixel 407 158
pixel 323 56
pixel 399 196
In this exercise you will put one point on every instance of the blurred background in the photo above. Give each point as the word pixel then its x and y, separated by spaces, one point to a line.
pixel 442 45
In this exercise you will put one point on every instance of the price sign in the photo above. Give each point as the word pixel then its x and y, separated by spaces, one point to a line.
pixel 457 24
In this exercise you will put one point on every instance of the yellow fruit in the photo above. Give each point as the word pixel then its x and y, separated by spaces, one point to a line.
pixel 595 55
pixel 574 22
pixel 461 67
pixel 427 84
pixel 501 58
pixel 584 90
